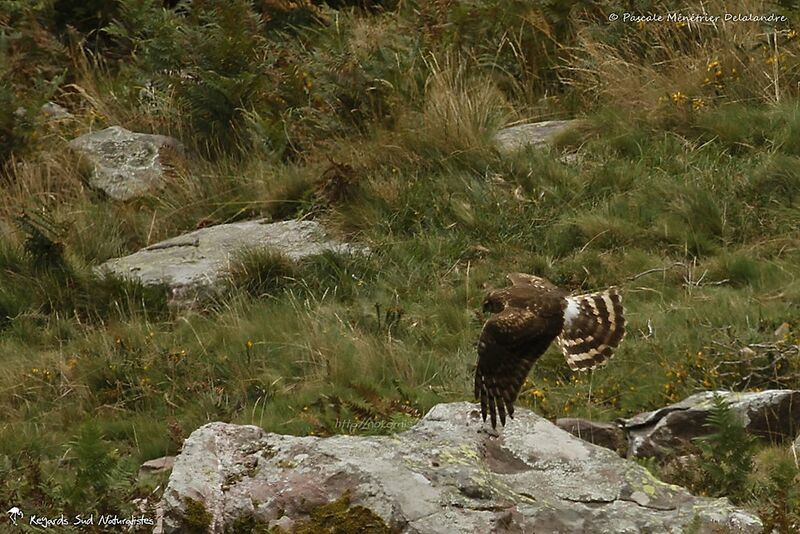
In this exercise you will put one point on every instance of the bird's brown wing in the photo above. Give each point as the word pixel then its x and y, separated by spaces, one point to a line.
pixel 510 342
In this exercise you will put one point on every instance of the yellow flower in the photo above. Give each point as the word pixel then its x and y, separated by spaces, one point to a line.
pixel 713 65
pixel 678 97
pixel 249 344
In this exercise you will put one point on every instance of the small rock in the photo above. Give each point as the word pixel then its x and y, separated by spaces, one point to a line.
pixel 608 435
pixel 157 465
pixel 782 331
pixel 747 352
pixel 126 164
pixel 534 134
pixel 55 111
pixel 772 414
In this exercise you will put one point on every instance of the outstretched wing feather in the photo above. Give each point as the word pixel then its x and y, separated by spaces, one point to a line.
pixel 510 343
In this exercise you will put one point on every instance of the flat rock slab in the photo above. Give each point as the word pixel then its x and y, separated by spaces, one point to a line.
pixel 195 264
pixel 126 164
pixel 447 474
pixel 772 414
pixel 532 134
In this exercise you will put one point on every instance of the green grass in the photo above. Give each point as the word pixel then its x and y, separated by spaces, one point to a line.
pixel 691 212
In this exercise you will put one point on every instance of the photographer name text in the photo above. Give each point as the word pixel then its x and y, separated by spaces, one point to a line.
pixel 702 18
pixel 103 520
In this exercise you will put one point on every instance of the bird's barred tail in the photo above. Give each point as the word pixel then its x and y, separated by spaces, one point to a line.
pixel 594 324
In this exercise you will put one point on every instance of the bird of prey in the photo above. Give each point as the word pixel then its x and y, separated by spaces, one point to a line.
pixel 526 317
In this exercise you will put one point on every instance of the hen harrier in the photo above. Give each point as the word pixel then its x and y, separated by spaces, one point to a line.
pixel 526 318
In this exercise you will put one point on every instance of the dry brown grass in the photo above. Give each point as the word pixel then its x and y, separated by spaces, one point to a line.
pixel 692 63
pixel 460 111
pixel 50 176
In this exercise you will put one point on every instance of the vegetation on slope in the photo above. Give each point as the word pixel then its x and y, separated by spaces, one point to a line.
pixel 377 119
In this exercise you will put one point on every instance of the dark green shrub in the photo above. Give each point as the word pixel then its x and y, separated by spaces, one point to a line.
pixel 727 453
pixel 212 57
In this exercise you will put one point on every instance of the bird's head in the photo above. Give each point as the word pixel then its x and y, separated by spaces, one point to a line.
pixel 493 303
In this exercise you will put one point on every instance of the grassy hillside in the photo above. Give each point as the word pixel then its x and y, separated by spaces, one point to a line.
pixel 376 118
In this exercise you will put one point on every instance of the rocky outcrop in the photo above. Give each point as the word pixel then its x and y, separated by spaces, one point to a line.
pixel 127 164
pixel 608 435
pixel 194 265
pixel 772 414
pixel 532 134
pixel 449 473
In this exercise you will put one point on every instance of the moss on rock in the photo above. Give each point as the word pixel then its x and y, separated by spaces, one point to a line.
pixel 339 517
pixel 197 518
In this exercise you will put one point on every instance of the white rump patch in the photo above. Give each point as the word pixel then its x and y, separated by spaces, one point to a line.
pixel 571 312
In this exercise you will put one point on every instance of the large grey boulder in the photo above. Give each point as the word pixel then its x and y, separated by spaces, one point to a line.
pixel 449 473
pixel 194 265
pixel 126 164
pixel 771 414
pixel 531 134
